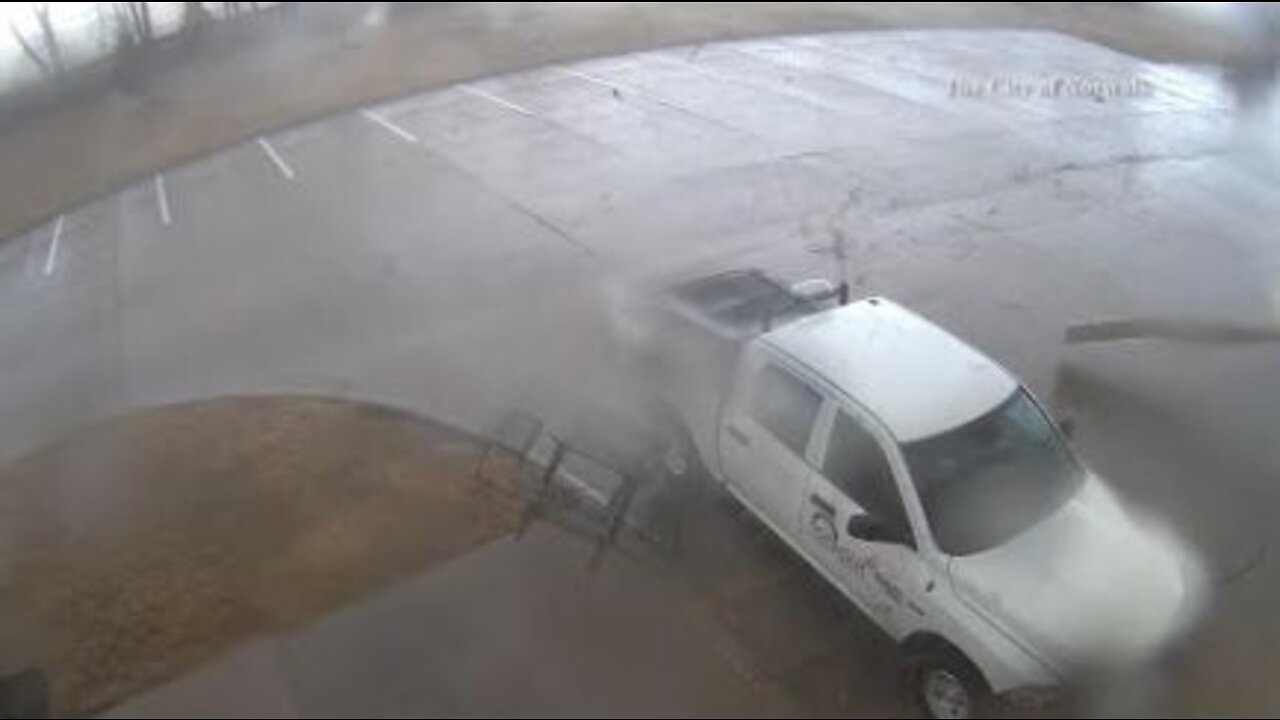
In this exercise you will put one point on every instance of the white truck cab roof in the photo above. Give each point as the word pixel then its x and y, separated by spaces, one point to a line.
pixel 916 377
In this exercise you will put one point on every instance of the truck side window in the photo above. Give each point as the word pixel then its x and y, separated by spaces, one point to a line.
pixel 856 464
pixel 786 407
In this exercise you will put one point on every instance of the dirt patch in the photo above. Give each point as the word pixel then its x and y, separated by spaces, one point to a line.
pixel 135 550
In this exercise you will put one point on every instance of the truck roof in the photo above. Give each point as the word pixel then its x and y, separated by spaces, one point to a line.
pixel 916 377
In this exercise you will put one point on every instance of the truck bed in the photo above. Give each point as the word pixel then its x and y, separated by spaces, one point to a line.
pixel 702 325
pixel 738 304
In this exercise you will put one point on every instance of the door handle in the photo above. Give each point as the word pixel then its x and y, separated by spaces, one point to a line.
pixel 736 433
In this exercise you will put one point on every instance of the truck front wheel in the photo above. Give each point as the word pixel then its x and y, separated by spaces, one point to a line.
pixel 946 685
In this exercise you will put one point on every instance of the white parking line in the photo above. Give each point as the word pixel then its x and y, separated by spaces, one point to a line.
pixel 281 165
pixel 617 87
pixel 390 126
pixel 162 198
pixel 496 100
pixel 52 257
pixel 588 78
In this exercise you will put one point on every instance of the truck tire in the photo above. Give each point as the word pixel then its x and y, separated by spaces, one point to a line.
pixel 680 455
pixel 945 685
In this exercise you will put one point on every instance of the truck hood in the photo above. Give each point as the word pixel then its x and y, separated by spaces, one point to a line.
pixel 1089 586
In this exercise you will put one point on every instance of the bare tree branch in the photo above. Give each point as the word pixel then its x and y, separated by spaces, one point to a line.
pixel 136 22
pixel 41 11
pixel 121 30
pixel 144 13
pixel 194 16
pixel 31 52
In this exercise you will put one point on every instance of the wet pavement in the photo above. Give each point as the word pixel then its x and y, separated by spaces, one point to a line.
pixel 516 628
pixel 460 252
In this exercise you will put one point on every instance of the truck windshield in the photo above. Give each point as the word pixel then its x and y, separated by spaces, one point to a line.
pixel 992 478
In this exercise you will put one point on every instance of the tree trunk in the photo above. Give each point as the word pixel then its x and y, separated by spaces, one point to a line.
pixel 50 38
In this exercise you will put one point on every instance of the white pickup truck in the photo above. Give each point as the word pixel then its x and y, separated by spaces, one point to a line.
pixel 924 482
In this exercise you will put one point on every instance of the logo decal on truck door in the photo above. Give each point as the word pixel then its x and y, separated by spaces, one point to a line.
pixel 858 563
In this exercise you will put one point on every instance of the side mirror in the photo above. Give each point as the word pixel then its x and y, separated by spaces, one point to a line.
pixel 813 289
pixel 816 290
pixel 1068 427
pixel 868 529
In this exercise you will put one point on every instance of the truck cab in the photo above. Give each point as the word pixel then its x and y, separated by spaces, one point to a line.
pixel 924 482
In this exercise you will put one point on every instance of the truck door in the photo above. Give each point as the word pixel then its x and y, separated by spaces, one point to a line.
pixel 874 558
pixel 766 433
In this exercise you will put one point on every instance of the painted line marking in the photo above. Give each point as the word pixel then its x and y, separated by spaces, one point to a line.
pixel 52 258
pixel 617 87
pixel 496 100
pixel 281 165
pixel 162 198
pixel 391 127
pixel 591 79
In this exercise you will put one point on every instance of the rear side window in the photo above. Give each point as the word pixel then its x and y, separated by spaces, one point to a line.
pixel 856 464
pixel 786 407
